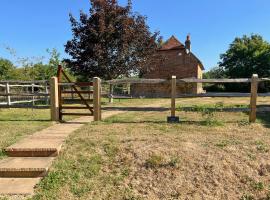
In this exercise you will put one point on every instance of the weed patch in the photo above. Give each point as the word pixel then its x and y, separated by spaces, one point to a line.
pixel 157 161
pixel 154 161
pixel 261 147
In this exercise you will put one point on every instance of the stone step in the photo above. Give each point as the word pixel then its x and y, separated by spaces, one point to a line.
pixel 25 167
pixel 37 146
pixel 18 186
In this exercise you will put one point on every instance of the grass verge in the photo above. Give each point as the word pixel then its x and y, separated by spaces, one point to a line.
pixel 137 155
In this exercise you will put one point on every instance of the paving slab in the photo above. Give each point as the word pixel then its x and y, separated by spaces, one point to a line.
pixel 25 167
pixel 18 186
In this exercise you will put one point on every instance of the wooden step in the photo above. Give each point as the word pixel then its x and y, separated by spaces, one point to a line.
pixel 25 167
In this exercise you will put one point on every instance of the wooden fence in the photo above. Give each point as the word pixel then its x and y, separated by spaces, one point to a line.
pixel 15 94
pixel 254 80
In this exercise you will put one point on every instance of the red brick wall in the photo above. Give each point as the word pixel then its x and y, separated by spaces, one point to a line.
pixel 174 62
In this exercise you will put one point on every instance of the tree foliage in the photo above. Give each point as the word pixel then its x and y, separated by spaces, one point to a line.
pixel 29 69
pixel 216 72
pixel 110 42
pixel 6 69
pixel 247 56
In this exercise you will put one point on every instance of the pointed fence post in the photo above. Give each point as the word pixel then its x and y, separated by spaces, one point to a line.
pixel 97 99
pixel 54 99
pixel 253 98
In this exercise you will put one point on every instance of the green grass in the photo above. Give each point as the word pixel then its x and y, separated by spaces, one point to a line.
pixel 17 123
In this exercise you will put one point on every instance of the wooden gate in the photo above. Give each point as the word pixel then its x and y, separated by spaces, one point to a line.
pixel 70 94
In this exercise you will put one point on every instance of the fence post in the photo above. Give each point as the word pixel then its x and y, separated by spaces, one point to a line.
pixel 54 99
pixel 173 96
pixel 47 92
pixel 33 92
pixel 97 99
pixel 128 88
pixel 253 98
pixel 7 92
pixel 111 94
pixel 173 118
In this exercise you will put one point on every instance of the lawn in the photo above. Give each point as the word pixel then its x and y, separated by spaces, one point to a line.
pixel 17 123
pixel 137 155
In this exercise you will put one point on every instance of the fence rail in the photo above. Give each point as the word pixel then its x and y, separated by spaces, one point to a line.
pixel 184 80
pixel 213 94
pixel 23 92
pixel 254 80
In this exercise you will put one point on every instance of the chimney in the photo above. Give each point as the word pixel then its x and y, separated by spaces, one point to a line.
pixel 188 43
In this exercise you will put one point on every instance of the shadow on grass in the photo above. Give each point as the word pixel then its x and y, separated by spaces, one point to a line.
pixel 72 122
pixel 25 120
pixel 183 122
pixel 263 114
pixel 264 118
pixel 236 108
pixel 144 109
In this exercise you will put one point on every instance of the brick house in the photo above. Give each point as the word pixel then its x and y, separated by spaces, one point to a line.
pixel 174 58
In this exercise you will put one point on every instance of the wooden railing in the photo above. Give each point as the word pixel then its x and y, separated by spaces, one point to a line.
pixel 254 81
pixel 23 93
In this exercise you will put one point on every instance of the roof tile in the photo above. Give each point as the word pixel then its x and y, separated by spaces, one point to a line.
pixel 172 43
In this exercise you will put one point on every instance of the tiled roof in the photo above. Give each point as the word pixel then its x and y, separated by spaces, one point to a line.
pixel 172 43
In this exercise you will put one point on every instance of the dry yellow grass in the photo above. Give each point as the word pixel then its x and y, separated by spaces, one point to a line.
pixel 137 155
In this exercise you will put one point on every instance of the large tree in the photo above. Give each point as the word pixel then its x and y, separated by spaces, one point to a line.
pixel 110 42
pixel 246 56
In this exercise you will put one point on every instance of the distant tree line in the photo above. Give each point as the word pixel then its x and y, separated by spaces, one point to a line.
pixel 30 70
pixel 246 56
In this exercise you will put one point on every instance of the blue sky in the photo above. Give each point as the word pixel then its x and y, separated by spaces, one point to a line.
pixel 32 26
